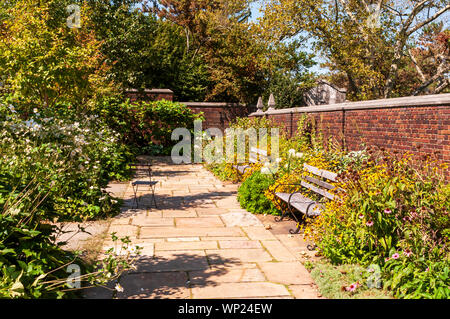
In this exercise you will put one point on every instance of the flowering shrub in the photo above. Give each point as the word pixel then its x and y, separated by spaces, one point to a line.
pixel 395 216
pixel 70 161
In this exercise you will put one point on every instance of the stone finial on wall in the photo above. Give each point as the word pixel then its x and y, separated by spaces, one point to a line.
pixel 260 105
pixel 271 103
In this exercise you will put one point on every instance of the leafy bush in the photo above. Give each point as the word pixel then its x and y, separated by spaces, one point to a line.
pixel 32 265
pixel 70 160
pixel 251 194
pixel 147 126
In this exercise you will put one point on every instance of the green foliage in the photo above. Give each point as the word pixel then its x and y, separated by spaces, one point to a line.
pixel 147 126
pixel 71 161
pixel 146 52
pixel 395 216
pixel 334 282
pixel 45 62
pixel 251 194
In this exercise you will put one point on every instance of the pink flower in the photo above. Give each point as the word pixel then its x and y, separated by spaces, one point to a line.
pixel 352 287
pixel 407 252
pixel 387 259
pixel 387 211
pixel 428 269
pixel 361 216
pixel 395 256
pixel 369 223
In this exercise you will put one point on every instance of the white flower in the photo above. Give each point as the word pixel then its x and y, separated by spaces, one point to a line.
pixel 299 155
pixel 278 160
pixel 265 170
pixel 119 288
pixel 35 110
pixel 292 152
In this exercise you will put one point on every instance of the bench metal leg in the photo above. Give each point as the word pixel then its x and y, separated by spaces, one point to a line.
pixel 283 215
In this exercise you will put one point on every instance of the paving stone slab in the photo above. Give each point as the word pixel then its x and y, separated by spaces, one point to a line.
pixel 152 221
pixel 304 292
pixel 278 251
pixel 239 290
pixel 224 256
pixel 239 244
pixel 199 222
pixel 170 285
pixel 123 230
pixel 240 219
pixel 187 245
pixel 179 213
pixel 160 232
pixel 287 273
pixel 178 239
pixel 258 233
pixel 226 274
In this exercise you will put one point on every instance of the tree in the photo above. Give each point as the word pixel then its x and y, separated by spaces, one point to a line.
pixel 44 61
pixel 240 63
pixel 431 60
pixel 365 40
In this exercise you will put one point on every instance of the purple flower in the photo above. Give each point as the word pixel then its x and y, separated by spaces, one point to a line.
pixel 395 256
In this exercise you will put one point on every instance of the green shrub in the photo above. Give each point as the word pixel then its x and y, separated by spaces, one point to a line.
pixel 251 194
pixel 71 160
pixel 147 126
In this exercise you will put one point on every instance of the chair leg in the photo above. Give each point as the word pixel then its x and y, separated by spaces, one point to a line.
pixel 153 197
pixel 136 200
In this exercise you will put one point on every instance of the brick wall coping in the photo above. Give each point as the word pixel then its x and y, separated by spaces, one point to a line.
pixel 156 91
pixel 409 101
pixel 211 104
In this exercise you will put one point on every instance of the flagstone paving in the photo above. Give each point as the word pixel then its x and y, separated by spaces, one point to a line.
pixel 199 243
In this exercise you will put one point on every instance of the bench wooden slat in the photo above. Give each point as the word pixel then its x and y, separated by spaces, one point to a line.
pixel 319 182
pixel 321 172
pixel 317 190
pixel 301 203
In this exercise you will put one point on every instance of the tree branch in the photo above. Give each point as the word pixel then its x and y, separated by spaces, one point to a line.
pixel 430 19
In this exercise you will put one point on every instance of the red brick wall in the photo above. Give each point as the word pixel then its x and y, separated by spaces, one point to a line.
pixel 418 130
pixel 219 115
pixel 149 95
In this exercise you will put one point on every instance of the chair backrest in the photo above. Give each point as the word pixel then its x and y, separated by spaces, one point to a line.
pixel 318 184
pixel 257 155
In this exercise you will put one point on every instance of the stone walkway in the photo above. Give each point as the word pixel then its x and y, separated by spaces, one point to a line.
pixel 199 243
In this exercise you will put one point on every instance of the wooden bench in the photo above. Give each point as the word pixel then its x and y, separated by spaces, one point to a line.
pixel 295 201
pixel 256 155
